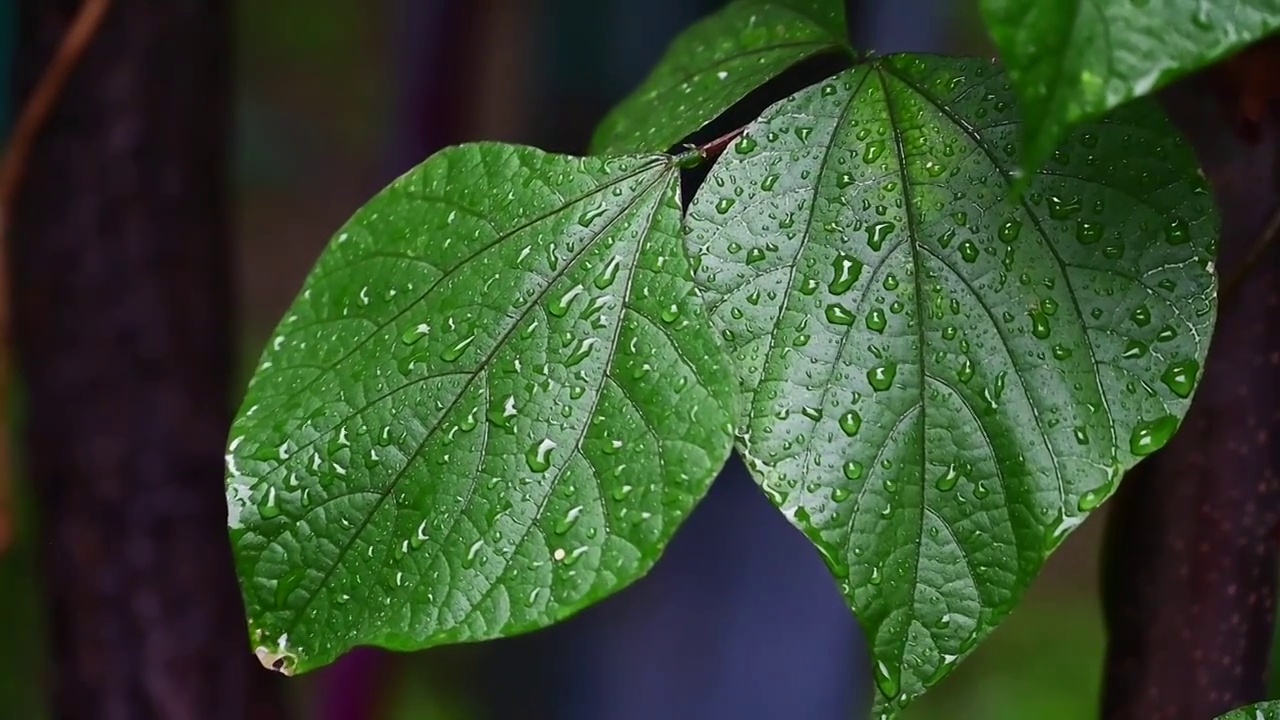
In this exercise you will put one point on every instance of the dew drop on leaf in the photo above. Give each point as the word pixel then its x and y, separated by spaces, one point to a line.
pixel 1149 436
pixel 538 457
pixel 881 376
pixel 1180 377
pixel 851 422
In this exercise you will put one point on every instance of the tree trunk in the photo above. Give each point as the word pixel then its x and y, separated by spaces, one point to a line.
pixel 122 318
pixel 1190 570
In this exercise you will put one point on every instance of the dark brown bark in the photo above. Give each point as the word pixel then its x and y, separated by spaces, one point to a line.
pixel 1190 574
pixel 122 320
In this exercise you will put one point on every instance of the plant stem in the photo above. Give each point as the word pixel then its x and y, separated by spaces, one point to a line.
pixel 699 154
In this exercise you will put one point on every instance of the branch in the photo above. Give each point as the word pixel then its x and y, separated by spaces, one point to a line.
pixel 12 165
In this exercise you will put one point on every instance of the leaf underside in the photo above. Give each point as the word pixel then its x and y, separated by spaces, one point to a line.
pixel 494 401
pixel 941 379
pixel 716 63
pixel 1072 61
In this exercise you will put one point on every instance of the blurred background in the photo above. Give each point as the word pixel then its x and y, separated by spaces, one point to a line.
pixel 336 97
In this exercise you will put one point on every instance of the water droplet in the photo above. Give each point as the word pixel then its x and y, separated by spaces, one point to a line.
pixel 853 470
pixel 803 133
pixel 969 251
pixel 455 351
pixel 269 509
pixel 608 274
pixel 1166 334
pixel 1175 233
pixel 851 422
pixel 873 151
pixel 1134 350
pixel 838 314
pixel 1082 435
pixel 724 205
pixel 1141 316
pixel 581 351
pixel 877 232
pixel 1061 209
pixel 1061 352
pixel 1039 324
pixel 948 479
pixel 590 216
pixel 755 255
pixel 1088 233
pixel 1180 377
pixel 1093 498
pixel 414 334
pixel 561 306
pixel 876 320
pixel 745 145
pixel 966 371
pixel 1149 436
pixel 846 271
pixel 844 180
pixel 566 523
pixel 887 679
pixel 769 181
pixel 881 377
pixel 891 282
pixel 538 457
pixel 1010 230
pixel 670 313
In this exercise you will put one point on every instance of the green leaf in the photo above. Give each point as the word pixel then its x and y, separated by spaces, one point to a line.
pixel 1071 61
pixel 495 400
pixel 1261 711
pixel 940 381
pixel 714 64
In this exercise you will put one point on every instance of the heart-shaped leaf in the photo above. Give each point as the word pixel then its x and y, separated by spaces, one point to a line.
pixel 714 64
pixel 1071 61
pixel 942 379
pixel 493 403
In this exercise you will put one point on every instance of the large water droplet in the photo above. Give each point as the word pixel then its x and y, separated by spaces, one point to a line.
pixel 1063 208
pixel 453 352
pixel 1088 233
pixel 1010 230
pixel 566 523
pixel 948 479
pixel 1141 316
pixel 1180 377
pixel 873 151
pixel 580 351
pixel 881 377
pixel 755 255
pixel 1039 324
pixel 887 680
pixel 851 422
pixel 608 273
pixel 846 269
pixel 590 216
pixel 877 232
pixel 876 320
pixel 538 457
pixel 561 306
pixel 1149 436
pixel 1175 233
pixel 853 470
pixel 838 314
pixel 745 145
pixel 969 251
